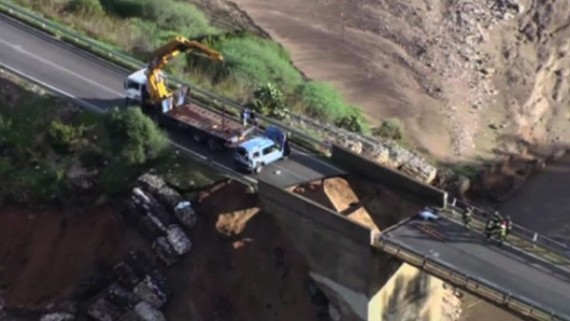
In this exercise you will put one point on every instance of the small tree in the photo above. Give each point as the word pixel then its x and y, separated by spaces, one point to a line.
pixel 391 129
pixel 63 136
pixel 352 122
pixel 268 100
pixel 85 6
pixel 133 137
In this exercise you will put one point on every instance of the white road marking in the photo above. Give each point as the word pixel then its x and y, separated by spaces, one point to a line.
pixel 20 49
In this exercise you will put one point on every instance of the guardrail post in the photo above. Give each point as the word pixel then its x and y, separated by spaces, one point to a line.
pixel 534 239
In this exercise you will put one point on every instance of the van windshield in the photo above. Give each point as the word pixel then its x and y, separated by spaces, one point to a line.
pixel 241 151
pixel 132 85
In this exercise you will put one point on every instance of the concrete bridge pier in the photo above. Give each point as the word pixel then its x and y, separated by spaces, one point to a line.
pixel 362 282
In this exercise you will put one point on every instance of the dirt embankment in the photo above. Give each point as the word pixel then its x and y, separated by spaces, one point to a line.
pixel 241 266
pixel 470 71
pixel 45 253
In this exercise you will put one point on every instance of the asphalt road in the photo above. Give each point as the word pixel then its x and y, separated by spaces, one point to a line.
pixel 468 252
pixel 86 78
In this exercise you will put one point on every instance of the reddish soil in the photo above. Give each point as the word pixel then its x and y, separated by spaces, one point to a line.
pixel 360 200
pixel 241 266
pixel 45 253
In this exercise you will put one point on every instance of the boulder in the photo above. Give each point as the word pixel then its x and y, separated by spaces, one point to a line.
pixel 120 298
pixel 350 144
pixel 185 213
pixel 57 316
pixel 148 229
pixel 165 251
pixel 130 212
pixel 420 170
pixel 139 262
pixel 126 276
pixel 160 190
pixel 153 208
pixel 95 283
pixel 153 289
pixel 102 310
pixel 178 239
pixel 148 313
pixel 130 316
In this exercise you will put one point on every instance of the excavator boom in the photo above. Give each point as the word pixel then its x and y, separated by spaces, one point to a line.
pixel 156 84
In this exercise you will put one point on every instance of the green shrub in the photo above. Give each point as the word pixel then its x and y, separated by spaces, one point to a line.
pixel 353 122
pixel 182 17
pixel 268 100
pixel 391 129
pixel 323 101
pixel 133 137
pixel 127 8
pixel 63 136
pixel 167 15
pixel 33 183
pixel 85 6
pixel 259 61
pixel 117 177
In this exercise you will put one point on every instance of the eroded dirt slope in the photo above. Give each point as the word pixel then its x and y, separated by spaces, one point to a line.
pixel 459 73
pixel 45 253
pixel 241 268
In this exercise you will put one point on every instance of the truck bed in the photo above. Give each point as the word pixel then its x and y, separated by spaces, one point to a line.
pixel 208 121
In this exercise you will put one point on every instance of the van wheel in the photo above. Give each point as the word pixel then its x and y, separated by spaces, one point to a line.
pixel 258 169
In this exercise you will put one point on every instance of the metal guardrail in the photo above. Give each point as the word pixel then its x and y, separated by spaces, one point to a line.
pixel 517 230
pixel 203 160
pixel 131 63
pixel 477 286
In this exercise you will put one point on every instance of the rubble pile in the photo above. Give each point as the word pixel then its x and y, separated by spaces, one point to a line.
pixel 138 292
pixel 383 151
pixel 135 289
pixel 157 211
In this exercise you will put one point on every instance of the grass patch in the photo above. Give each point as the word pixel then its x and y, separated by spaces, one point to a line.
pixel 185 176
pixel 53 152
pixel 140 26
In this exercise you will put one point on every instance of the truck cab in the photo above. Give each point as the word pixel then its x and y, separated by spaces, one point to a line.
pixel 135 87
pixel 254 154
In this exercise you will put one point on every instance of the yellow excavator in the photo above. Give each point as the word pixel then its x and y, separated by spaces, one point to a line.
pixel 156 85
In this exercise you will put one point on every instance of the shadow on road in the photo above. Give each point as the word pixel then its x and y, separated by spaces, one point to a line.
pixel 450 233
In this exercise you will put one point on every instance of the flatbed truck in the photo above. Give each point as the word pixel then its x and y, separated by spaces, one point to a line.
pixel 174 109
pixel 215 128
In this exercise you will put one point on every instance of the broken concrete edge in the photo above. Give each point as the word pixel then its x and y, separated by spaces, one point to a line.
pixel 388 154
pixel 387 176
pixel 357 231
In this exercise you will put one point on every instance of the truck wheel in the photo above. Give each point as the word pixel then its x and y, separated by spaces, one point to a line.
pixel 214 144
pixel 197 137
pixel 258 169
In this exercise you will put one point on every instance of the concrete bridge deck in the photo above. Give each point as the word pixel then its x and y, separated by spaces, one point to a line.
pixel 504 274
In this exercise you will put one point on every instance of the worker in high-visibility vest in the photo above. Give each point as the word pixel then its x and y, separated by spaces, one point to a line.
pixel 467 217
pixel 502 231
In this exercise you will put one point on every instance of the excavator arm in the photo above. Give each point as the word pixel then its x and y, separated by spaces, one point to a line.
pixel 156 83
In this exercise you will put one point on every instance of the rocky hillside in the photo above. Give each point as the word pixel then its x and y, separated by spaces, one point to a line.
pixel 463 75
